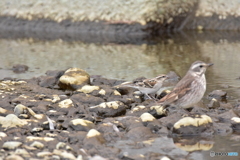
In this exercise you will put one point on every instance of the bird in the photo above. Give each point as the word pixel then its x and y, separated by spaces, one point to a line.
pixel 190 89
pixel 147 86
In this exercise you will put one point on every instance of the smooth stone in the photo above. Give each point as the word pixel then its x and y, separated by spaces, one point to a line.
pixel 11 144
pixel 2 134
pixel 81 125
pixel 218 94
pixel 140 133
pixel 88 89
pixel 12 120
pixel 60 145
pixel 37 144
pixel 146 117
pixel 67 103
pixel 32 138
pixel 64 154
pixel 14 157
pixel 23 152
pixel 44 154
pixel 73 78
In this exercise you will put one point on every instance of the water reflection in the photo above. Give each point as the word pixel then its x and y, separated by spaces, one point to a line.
pixel 173 52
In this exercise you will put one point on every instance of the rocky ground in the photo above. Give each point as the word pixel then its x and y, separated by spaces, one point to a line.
pixel 73 115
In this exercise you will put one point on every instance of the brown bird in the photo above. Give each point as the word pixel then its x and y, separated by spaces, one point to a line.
pixel 190 89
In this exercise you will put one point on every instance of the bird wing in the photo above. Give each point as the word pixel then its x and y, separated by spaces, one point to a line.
pixel 178 92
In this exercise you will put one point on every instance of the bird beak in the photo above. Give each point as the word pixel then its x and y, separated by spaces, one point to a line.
pixel 209 64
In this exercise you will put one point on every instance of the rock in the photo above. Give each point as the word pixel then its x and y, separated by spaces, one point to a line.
pixel 19 68
pixel 196 125
pixel 47 81
pixel 88 89
pixel 12 120
pixel 11 145
pixel 60 145
pixel 23 111
pixel 2 135
pixel 67 103
pixel 170 120
pixel 93 139
pixel 146 117
pixel 140 133
pixel 214 103
pixel 109 109
pixel 157 111
pixel 14 157
pixel 222 129
pixel 22 152
pixel 46 139
pixel 81 125
pixel 37 145
pixel 235 121
pixel 64 154
pixel 44 154
pixel 227 116
pixel 218 94
pixel 73 79
pixel 137 111
pixel 236 109
pixel 82 98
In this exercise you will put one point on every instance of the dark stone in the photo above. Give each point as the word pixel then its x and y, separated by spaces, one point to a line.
pixel 48 81
pixel 140 133
pixel 20 68
pixel 88 100
pixel 218 94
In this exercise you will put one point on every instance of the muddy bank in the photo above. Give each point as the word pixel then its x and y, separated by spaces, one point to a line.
pixel 40 118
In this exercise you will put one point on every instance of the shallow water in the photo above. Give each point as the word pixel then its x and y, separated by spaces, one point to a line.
pixel 172 52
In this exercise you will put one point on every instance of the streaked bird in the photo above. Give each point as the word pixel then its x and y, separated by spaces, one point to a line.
pixel 147 86
pixel 190 89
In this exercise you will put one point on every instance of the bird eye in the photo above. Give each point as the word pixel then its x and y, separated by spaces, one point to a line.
pixel 201 66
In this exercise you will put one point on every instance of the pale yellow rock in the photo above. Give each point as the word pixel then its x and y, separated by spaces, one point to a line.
pixel 75 76
pixel 147 117
pixel 44 154
pixel 112 104
pixel 82 122
pixel 88 89
pixel 102 92
pixel 32 138
pixel 37 144
pixel 236 119
pixel 2 134
pixel 22 152
pixel 12 120
pixel 197 121
pixel 159 109
pixel 14 157
pixel 116 93
pixel 93 133
pixel 56 98
pixel 11 144
pixel 67 103
pixel 60 145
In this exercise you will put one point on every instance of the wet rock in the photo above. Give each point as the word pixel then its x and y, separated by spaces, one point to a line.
pixel 20 68
pixel 81 125
pixel 73 79
pixel 227 116
pixel 11 145
pixel 88 89
pixel 93 139
pixel 67 103
pixel 170 120
pixel 47 81
pixel 155 126
pixel 218 94
pixel 12 120
pixel 140 133
pixel 14 157
pixel 235 121
pixel 214 103
pixel 109 109
pixel 222 129
pixel 37 145
pixel 196 125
